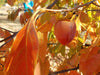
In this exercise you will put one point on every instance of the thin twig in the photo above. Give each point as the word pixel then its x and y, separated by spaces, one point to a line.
pixel 9 40
pixel 51 44
pixel 51 73
pixel 51 5
pixel 96 4
pixel 70 9
pixel 9 37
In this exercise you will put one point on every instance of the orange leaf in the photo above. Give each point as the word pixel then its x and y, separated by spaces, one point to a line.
pixel 84 18
pixel 53 19
pixel 11 2
pixel 38 2
pixel 44 64
pixel 74 73
pixel 42 37
pixel 23 56
pixel 2 33
pixel 45 27
pixel 90 61
pixel 44 67
pixel 8 45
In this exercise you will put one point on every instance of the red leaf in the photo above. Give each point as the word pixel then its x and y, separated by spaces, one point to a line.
pixel 23 56
pixel 74 73
pixel 90 61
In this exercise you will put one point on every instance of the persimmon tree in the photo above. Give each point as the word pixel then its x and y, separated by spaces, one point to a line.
pixel 64 31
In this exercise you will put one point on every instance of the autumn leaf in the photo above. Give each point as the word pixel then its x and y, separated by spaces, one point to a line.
pixel 11 2
pixel 79 1
pixel 84 18
pixel 24 17
pixel 38 2
pixel 6 34
pixel 74 73
pixel 90 61
pixel 42 37
pixel 23 56
pixel 2 33
pixel 45 27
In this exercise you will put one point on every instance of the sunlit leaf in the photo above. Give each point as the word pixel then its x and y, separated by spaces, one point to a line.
pixel 90 60
pixel 78 25
pixel 84 18
pixel 23 56
pixel 45 67
pixel 45 17
pixel 8 44
pixel 53 19
pixel 45 27
pixel 42 45
pixel 11 2
pixel 74 60
pixel 74 73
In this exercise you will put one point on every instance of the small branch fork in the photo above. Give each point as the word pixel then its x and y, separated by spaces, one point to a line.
pixel 54 73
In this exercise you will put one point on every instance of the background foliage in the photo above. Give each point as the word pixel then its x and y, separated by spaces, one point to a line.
pixel 35 50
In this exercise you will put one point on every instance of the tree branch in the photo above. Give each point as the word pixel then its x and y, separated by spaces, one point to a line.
pixel 70 9
pixel 51 5
pixel 96 4
pixel 10 38
pixel 51 73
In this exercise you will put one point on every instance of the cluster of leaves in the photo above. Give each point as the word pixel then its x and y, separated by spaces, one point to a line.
pixel 36 39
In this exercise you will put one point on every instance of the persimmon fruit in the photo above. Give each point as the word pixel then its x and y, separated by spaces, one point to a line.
pixel 65 31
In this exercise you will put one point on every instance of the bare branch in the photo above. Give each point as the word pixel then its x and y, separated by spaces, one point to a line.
pixel 70 9
pixel 51 73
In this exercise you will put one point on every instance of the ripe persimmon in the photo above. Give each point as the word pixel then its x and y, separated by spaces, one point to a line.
pixel 65 31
